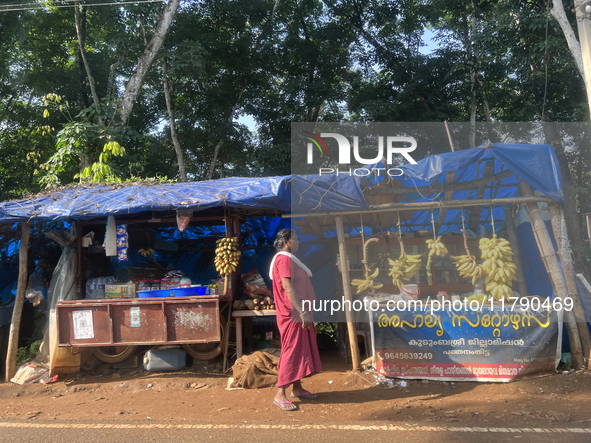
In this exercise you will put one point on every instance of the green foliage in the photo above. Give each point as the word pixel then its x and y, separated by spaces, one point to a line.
pixel 27 353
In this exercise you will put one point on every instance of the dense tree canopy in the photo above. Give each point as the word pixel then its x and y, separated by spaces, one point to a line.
pixel 65 69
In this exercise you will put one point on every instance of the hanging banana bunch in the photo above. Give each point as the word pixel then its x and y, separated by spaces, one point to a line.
pixel 499 267
pixel 226 255
pixel 367 284
pixel 435 248
pixel 405 267
pixel 467 265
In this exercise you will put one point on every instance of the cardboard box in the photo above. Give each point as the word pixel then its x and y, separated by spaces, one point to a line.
pixel 120 290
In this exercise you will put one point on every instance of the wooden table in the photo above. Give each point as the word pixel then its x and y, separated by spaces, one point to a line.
pixel 238 315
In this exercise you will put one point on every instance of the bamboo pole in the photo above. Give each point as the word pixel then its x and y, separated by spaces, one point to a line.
pixel 347 293
pixel 554 272
pixel 512 234
pixel 424 206
pixel 568 269
pixel 460 186
pixel 17 312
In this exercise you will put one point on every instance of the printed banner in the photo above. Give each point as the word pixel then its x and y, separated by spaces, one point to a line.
pixel 460 345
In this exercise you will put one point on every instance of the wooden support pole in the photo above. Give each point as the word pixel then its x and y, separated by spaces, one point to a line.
pixel 425 206
pixel 347 293
pixel 555 273
pixel 568 268
pixel 17 312
pixel 512 234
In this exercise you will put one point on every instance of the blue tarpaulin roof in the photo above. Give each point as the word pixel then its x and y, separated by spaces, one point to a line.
pixel 535 164
pixel 304 193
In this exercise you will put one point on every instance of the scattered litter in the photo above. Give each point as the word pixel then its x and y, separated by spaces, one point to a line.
pixel 330 382
pixel 223 409
pixel 29 373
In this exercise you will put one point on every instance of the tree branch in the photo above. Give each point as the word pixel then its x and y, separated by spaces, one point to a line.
pixel 81 44
pixel 173 134
pixel 559 15
pixel 145 62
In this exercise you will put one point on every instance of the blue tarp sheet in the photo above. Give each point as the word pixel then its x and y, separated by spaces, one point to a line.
pixel 327 193
pixel 535 164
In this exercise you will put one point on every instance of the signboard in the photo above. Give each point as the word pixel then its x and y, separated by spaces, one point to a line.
pixel 489 345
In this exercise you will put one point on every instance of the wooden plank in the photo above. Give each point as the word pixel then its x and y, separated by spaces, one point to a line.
pixel 316 228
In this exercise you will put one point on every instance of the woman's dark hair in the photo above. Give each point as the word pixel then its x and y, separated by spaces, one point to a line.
pixel 282 237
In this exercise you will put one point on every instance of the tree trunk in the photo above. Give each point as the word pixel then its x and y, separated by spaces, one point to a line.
pixel 173 133
pixel 574 221
pixel 559 15
pixel 147 59
pixel 80 32
pixel 243 84
pixel 17 312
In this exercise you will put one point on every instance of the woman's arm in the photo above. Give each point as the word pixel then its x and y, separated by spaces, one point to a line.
pixel 295 302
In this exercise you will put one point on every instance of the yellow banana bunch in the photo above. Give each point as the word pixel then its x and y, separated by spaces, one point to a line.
pixel 367 284
pixel 226 255
pixel 498 266
pixel 146 252
pixel 480 298
pixel 404 268
pixel 436 247
pixel 468 267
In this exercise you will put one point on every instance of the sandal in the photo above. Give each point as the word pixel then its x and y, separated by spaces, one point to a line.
pixel 307 395
pixel 285 405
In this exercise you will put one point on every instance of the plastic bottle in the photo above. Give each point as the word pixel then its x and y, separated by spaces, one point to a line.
pixel 143 285
pixel 175 283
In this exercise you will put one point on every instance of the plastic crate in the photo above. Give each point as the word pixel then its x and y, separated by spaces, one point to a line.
pixel 191 291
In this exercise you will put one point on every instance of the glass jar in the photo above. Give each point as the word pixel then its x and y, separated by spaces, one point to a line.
pixel 155 286
pixel 165 284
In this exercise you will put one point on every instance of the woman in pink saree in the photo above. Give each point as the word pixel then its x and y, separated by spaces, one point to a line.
pixel 299 352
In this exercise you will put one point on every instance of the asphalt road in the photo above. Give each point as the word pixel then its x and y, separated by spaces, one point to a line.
pixel 29 431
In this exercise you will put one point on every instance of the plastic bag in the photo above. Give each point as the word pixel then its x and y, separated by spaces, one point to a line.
pixel 183 217
pixel 254 285
pixel 30 373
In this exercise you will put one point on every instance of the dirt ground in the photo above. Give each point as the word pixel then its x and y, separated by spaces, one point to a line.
pixel 134 394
